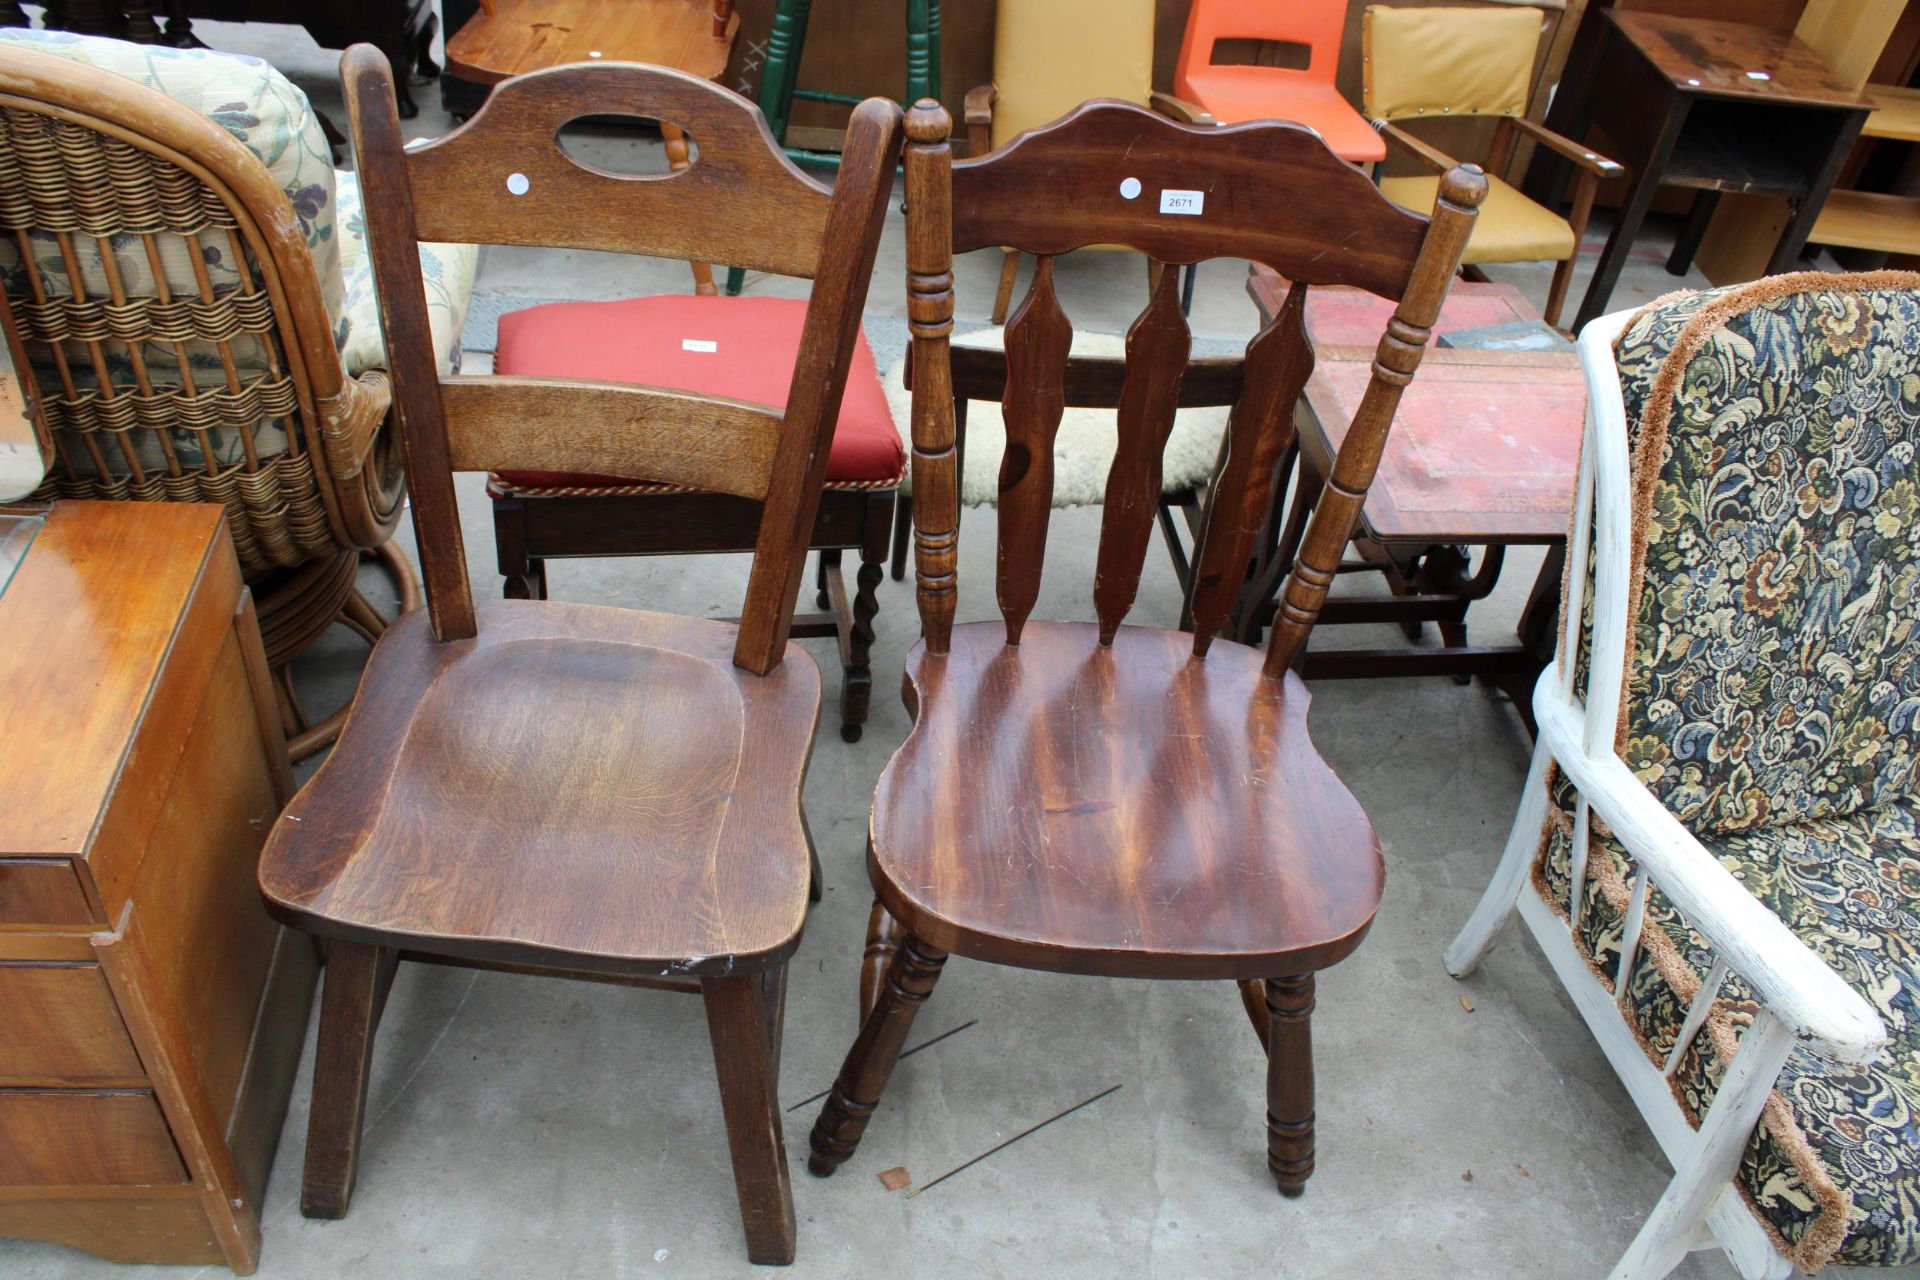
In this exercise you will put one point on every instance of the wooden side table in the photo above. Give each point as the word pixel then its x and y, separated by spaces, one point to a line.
pixel 1484 452
pixel 151 1013
pixel 1715 106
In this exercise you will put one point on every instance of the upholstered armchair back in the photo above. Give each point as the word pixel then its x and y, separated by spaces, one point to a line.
pixel 1773 657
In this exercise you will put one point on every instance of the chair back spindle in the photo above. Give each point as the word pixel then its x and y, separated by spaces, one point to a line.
pixel 1113 173
pixel 503 178
pixel 1038 340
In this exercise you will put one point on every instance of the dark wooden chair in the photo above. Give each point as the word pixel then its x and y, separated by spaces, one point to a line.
pixel 1125 801
pixel 571 789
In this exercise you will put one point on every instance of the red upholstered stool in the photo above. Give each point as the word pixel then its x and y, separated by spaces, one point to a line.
pixel 743 348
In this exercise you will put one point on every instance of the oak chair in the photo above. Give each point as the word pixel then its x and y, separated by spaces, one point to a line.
pixel 1307 95
pixel 1116 800
pixel 1049 56
pixel 1476 62
pixel 571 789
pixel 1717 840
pixel 217 354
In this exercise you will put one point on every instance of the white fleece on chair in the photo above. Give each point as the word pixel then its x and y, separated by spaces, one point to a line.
pixel 1082 451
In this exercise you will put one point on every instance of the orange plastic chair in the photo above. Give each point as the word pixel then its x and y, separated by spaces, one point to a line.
pixel 1306 95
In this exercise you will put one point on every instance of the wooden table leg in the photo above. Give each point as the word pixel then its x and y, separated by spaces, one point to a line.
pixel 1806 210
pixel 1646 183
pixel 1290 1082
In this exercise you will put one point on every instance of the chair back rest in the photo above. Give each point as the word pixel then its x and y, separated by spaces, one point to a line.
pixel 162 307
pixel 1318 25
pixel 1453 62
pixel 1773 633
pixel 1114 173
pixel 1049 56
pixel 503 178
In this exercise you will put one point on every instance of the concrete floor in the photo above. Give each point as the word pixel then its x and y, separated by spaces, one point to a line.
pixel 525 1127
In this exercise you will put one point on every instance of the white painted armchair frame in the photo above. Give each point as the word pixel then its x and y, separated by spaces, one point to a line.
pixel 1803 1001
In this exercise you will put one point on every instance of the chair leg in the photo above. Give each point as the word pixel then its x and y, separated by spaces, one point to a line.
pixel 1290 1082
pixel 883 943
pixel 856 690
pixel 1470 945
pixel 1009 271
pixel 863 1077
pixel 744 1028
pixel 531 585
pixel 902 534
pixel 1585 184
pixel 679 159
pixel 358 977
pixel 828 562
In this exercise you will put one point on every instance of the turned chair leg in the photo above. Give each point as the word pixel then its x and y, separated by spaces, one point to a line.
pixel 680 159
pixel 743 1020
pixel 1290 1082
pixel 883 943
pixel 856 690
pixel 530 585
pixel 902 534
pixel 863 1077
pixel 355 991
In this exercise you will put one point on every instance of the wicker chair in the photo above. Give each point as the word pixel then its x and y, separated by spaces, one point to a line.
pixel 164 301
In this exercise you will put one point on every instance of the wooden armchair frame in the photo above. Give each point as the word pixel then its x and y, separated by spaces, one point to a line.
pixel 1589 168
pixel 1803 1002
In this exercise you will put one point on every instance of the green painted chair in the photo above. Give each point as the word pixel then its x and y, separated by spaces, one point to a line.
pixel 779 80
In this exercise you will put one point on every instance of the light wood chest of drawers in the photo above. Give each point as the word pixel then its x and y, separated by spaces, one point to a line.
pixel 151 1013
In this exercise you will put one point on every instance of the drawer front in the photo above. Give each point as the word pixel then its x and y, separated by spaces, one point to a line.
pixel 59 1026
pixel 42 891
pixel 71 1138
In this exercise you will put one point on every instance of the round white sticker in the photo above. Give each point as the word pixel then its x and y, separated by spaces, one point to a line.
pixel 1129 188
pixel 517 183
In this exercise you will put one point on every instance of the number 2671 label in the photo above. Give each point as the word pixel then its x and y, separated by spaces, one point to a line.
pixel 1187 202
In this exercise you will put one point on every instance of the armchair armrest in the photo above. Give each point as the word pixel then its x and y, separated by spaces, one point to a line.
pixel 350 420
pixel 1180 109
pixel 1585 157
pixel 1432 157
pixel 1794 983
pixel 977 111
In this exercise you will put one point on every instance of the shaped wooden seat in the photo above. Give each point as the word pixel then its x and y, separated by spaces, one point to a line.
pixel 599 785
pixel 568 789
pixel 1068 805
pixel 1096 798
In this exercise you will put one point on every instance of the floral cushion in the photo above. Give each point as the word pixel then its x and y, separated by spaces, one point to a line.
pixel 447 270
pixel 247 98
pixel 1773 704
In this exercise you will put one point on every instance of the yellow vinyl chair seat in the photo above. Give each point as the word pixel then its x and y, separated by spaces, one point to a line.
pixel 1511 228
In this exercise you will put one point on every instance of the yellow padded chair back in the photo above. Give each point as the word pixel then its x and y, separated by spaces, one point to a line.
pixel 1049 56
pixel 1456 62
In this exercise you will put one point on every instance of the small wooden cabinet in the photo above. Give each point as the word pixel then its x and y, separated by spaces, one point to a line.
pixel 151 1013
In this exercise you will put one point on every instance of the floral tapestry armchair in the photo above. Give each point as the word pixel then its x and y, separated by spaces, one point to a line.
pixel 188 301
pixel 1717 846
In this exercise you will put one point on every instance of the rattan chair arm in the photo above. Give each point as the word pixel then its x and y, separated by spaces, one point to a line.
pixel 350 421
